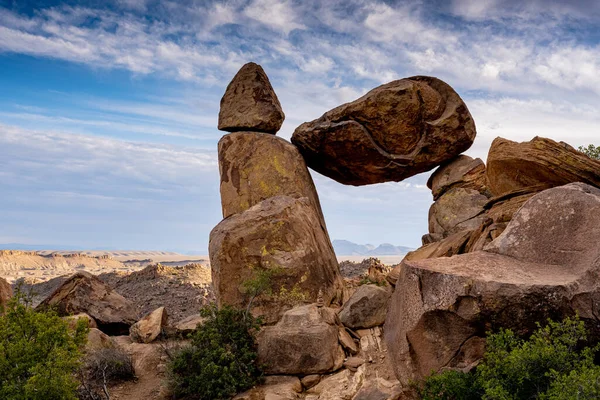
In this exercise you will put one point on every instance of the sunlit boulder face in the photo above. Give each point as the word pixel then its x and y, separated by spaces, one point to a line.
pixel 395 131
pixel 282 241
pixel 545 264
pixel 538 164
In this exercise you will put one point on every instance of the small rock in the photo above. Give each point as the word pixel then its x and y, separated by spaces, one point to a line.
pixel 73 319
pixel 310 380
pixel 353 363
pixel 346 341
pixel 366 308
pixel 250 103
pixel 150 327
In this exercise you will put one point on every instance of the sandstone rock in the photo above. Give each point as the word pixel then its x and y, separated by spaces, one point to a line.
pixel 346 341
pixel 464 172
pixel 366 308
pixel 257 166
pixel 250 103
pixel 395 131
pixel 300 343
pixel 189 324
pixel 5 292
pixel 284 237
pixel 98 340
pixel 274 388
pixel 457 210
pixel 85 293
pixel 310 380
pixel 544 265
pixel 539 162
pixel 150 327
pixel 453 244
pixel 343 385
pixel 352 363
pixel 72 320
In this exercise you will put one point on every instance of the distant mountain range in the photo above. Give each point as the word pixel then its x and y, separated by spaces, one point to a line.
pixel 347 248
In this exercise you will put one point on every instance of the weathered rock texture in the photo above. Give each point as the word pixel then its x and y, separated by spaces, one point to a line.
pixel 302 342
pixel 538 164
pixel 5 292
pixel 255 166
pixel 366 308
pixel 457 210
pixel 464 172
pixel 150 327
pixel 250 103
pixel 85 293
pixel 283 236
pixel 395 131
pixel 544 265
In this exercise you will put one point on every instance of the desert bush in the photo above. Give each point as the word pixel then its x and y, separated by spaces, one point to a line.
pixel 549 365
pixel 39 353
pixel 591 151
pixel 102 368
pixel 221 360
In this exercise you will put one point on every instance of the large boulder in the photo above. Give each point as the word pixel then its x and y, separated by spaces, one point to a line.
pixel 366 308
pixel 464 172
pixel 302 342
pixel 457 210
pixel 280 239
pixel 150 327
pixel 541 163
pixel 5 292
pixel 85 293
pixel 255 166
pixel 544 265
pixel 395 131
pixel 250 103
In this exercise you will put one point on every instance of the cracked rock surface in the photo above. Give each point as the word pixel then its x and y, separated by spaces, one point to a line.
pixel 395 131
pixel 545 264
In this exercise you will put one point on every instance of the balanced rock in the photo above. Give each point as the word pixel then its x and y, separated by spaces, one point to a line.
pixel 395 131
pixel 282 239
pixel 464 172
pixel 85 293
pixel 302 342
pixel 255 166
pixel 366 308
pixel 150 327
pixel 250 103
pixel 5 292
pixel 540 163
pixel 542 266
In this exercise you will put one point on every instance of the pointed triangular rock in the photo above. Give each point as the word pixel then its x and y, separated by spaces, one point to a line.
pixel 250 103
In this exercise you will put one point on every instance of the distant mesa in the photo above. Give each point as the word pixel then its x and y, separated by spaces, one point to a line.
pixel 347 248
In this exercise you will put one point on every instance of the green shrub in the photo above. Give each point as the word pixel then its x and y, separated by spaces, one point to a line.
pixel 39 353
pixel 221 360
pixel 591 151
pixel 549 365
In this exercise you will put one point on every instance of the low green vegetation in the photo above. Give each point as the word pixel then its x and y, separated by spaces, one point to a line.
pixel 550 365
pixel 39 353
pixel 221 360
pixel 591 151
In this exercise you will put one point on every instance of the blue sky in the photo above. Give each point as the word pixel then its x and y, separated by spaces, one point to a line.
pixel 108 109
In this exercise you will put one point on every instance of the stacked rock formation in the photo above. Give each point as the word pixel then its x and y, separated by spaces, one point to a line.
pixel 273 226
pixel 474 203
